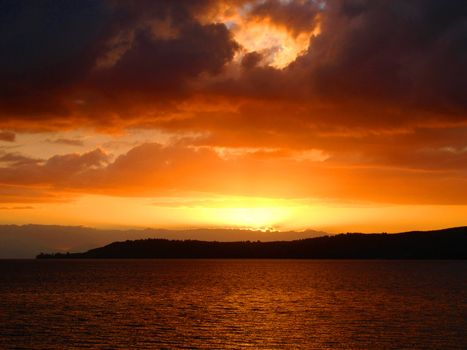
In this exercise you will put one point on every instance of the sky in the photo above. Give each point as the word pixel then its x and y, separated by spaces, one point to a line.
pixel 338 116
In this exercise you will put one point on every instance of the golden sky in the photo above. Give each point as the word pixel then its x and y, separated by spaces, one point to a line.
pixel 331 115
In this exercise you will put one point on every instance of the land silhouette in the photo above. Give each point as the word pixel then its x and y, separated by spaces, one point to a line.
pixel 440 244
pixel 26 241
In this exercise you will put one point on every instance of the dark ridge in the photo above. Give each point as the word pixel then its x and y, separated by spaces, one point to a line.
pixel 441 244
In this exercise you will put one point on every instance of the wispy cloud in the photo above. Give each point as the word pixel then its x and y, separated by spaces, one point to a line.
pixel 69 142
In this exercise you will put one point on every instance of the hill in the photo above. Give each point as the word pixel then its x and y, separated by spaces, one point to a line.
pixel 441 244
pixel 26 241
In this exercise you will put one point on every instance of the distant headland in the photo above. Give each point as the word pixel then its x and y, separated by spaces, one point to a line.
pixel 440 244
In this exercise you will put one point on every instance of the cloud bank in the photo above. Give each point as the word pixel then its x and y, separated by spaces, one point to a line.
pixel 378 88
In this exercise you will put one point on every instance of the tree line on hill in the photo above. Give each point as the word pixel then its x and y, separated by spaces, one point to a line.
pixel 441 244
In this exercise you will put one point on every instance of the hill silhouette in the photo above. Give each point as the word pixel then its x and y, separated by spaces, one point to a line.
pixel 26 241
pixel 441 244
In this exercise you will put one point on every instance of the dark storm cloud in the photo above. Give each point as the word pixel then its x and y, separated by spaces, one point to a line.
pixel 251 60
pixel 409 53
pixel 374 61
pixel 51 53
pixel 162 66
pixel 46 47
pixel 297 16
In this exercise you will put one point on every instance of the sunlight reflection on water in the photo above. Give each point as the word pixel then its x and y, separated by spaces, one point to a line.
pixel 232 304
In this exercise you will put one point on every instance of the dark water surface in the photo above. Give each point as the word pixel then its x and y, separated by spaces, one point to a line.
pixel 233 304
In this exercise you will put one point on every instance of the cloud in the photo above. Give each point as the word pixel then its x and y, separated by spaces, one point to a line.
pixel 21 170
pixel 251 60
pixel 47 48
pixel 296 16
pixel 64 80
pixel 7 136
pixel 168 171
pixel 379 90
pixel 24 207
pixel 27 194
pixel 69 142
pixel 373 63
pixel 16 159
pixel 392 53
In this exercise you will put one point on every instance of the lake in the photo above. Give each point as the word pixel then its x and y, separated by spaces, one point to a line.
pixel 233 304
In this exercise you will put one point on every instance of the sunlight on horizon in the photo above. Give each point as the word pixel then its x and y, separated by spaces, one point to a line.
pixel 256 218
pixel 235 212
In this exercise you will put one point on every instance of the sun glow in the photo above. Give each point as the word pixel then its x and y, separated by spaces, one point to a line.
pixel 257 213
pixel 266 218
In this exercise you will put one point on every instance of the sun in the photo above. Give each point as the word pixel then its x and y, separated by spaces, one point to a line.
pixel 251 218
pixel 247 213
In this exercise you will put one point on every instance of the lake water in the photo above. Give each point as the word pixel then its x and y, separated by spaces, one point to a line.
pixel 233 304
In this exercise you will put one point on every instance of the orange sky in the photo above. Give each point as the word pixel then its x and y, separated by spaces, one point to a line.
pixel 330 115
